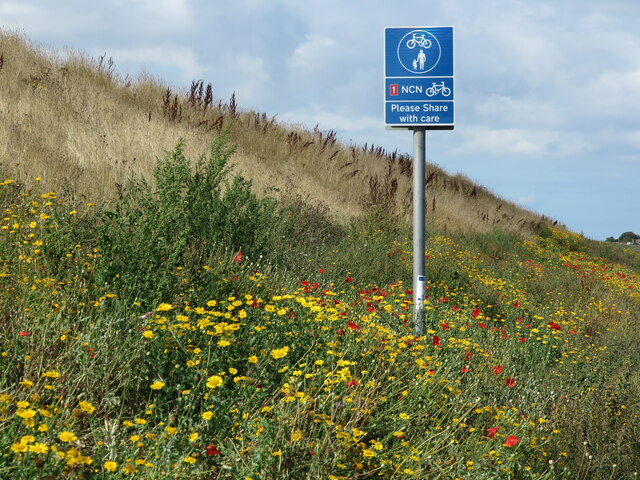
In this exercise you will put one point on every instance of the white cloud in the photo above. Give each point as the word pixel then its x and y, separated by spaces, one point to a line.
pixel 504 142
pixel 172 11
pixel 520 112
pixel 314 53
pixel 345 121
pixel 8 9
pixel 248 76
pixel 615 93
pixel 166 57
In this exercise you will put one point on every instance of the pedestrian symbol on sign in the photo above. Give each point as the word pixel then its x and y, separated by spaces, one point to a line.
pixel 426 58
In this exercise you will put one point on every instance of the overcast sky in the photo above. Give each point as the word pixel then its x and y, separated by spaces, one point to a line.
pixel 547 92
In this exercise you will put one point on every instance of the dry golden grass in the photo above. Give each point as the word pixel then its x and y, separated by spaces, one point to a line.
pixel 72 120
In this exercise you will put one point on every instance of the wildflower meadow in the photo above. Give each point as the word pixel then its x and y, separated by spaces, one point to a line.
pixel 192 330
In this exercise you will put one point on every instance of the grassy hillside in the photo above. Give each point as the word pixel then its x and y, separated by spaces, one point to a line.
pixel 173 317
pixel 72 119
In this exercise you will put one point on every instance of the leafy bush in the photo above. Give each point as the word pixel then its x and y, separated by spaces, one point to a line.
pixel 155 241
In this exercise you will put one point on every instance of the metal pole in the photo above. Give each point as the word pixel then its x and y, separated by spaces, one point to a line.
pixel 419 166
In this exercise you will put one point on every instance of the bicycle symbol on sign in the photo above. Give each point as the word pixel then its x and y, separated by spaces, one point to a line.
pixel 419 40
pixel 437 88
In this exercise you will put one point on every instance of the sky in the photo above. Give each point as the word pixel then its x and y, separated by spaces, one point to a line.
pixel 547 93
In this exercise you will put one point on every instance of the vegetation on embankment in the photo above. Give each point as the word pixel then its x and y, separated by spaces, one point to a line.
pixel 72 120
pixel 194 325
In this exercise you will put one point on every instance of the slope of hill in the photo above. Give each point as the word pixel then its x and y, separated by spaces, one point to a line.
pixel 163 317
pixel 70 119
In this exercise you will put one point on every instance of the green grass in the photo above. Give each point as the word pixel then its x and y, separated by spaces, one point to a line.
pixel 137 343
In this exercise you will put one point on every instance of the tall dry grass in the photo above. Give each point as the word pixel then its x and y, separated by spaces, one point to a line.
pixel 72 120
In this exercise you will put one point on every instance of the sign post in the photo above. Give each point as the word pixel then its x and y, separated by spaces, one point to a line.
pixel 419 96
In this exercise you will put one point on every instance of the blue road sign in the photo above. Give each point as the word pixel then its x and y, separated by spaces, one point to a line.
pixel 419 77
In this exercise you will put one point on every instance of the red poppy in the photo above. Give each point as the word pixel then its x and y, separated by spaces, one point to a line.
pixel 455 308
pixel 482 325
pixel 497 369
pixel 510 382
pixel 436 341
pixel 353 383
pixel 24 333
pixel 445 326
pixel 466 369
pixel 348 279
pixel 522 339
pixel 476 312
pixel 321 270
pixel 491 432
pixel 554 326
pixel 212 451
pixel 238 256
pixel 352 326
pixel 511 441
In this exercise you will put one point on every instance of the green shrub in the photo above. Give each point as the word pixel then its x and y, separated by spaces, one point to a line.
pixel 155 242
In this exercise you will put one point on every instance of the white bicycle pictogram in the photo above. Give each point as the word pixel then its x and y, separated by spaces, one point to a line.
pixel 437 88
pixel 418 40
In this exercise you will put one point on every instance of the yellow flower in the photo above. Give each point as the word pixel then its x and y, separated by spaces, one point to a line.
pixel 296 435
pixel 157 385
pixel 67 437
pixel 26 413
pixel 277 453
pixel 252 359
pixel 19 447
pixel 87 407
pixel 280 352
pixel 214 381
pixel 224 343
pixel 39 448
pixel 170 430
pixel 148 334
pixel 207 415
pixel 110 466
pixel 51 374
pixel 164 307
pixel 193 437
pixel 368 453
pixel 190 460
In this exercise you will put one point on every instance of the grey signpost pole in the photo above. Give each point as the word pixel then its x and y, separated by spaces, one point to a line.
pixel 419 166
pixel 419 96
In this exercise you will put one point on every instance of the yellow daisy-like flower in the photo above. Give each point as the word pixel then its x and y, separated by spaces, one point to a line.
pixel 164 307
pixel 157 385
pixel 214 381
pixel 87 407
pixel 280 352
pixel 39 448
pixel 207 415
pixel 110 466
pixel 190 460
pixel 67 437
pixel 252 359
pixel 148 334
